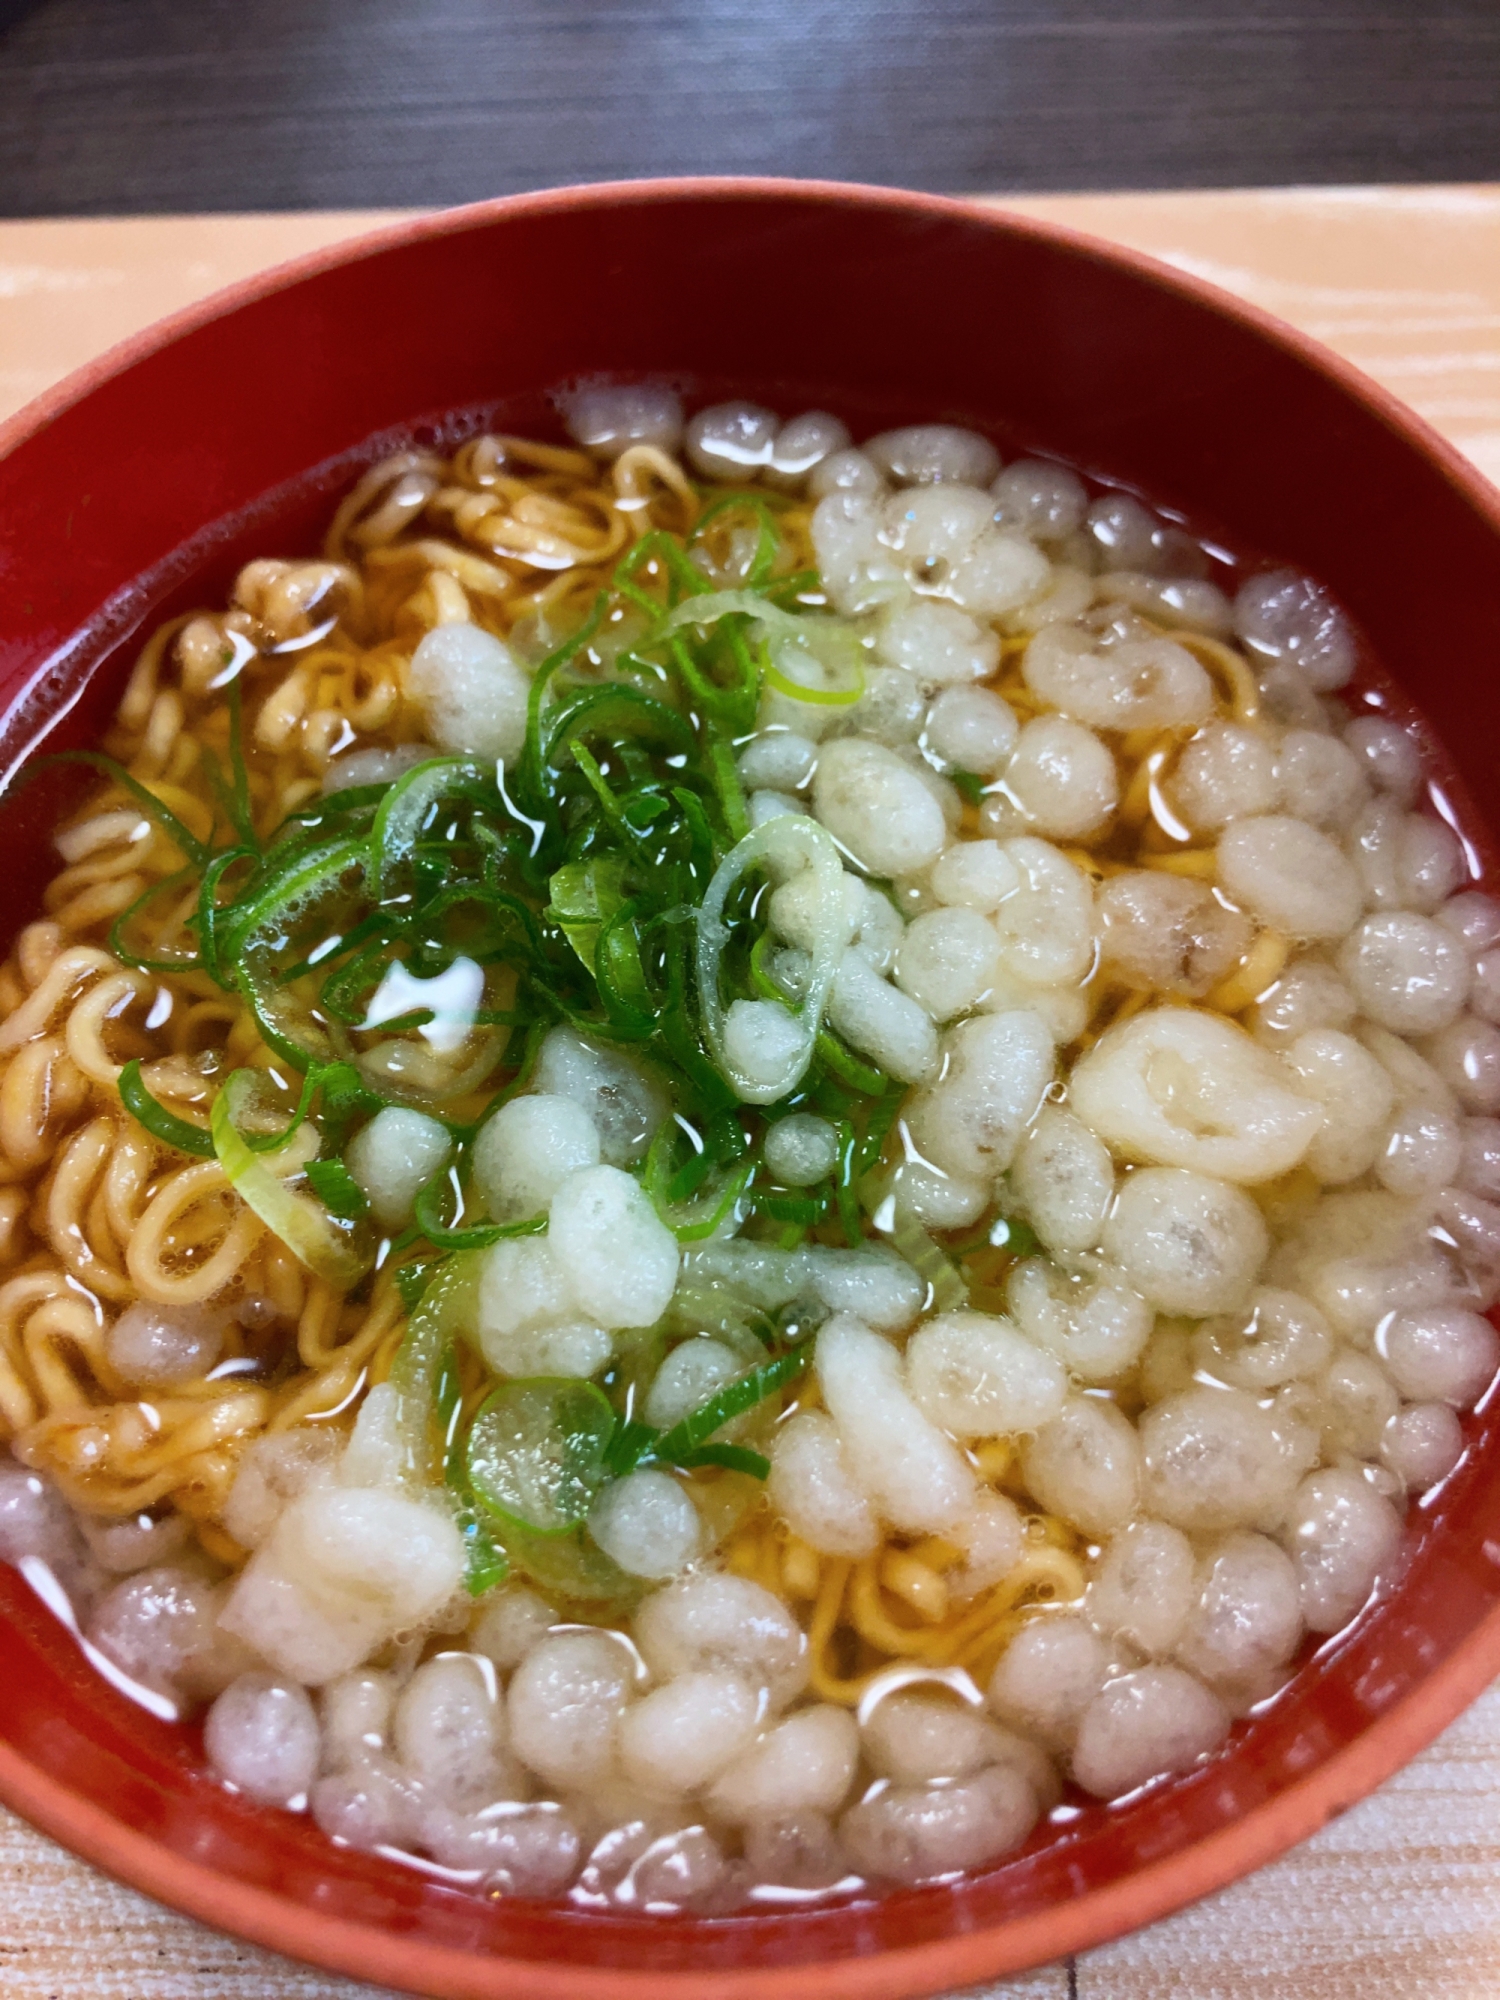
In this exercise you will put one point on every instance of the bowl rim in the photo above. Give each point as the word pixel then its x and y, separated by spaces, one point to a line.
pixel 1016 1943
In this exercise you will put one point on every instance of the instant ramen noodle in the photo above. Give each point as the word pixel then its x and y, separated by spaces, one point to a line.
pixel 725 1159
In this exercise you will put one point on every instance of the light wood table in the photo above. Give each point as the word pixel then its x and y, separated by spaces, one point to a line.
pixel 1400 1898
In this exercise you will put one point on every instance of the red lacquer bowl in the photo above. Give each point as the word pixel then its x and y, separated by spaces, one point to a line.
pixel 138 487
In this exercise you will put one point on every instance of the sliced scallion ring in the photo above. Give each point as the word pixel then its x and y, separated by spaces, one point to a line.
pixel 821 665
pixel 716 604
pixel 931 1263
pixel 158 1120
pixel 780 841
pixel 404 809
pixel 536 1452
pixel 329 1251
pixel 815 660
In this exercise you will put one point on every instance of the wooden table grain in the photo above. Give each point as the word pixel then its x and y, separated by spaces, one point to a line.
pixel 1399 1899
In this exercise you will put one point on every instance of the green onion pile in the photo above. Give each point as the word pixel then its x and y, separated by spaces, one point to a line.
pixel 608 880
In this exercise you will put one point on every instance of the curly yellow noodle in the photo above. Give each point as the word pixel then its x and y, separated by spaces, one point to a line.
pixel 67 971
pixel 1230 669
pixel 966 1639
pixel 151 1246
pixel 1137 802
pixel 13 1206
pixel 18 1390
pixel 85 1030
pixel 80 1166
pixel 440 601
pixel 643 471
pixel 131 1456
pixel 800 1564
pixel 98 904
pixel 824 1678
pixel 486 579
pixel 280 1279
pixel 62 1326
pixel 39 1090
pixel 317 1327
pixel 101 871
pixel 869 1618
pixel 335 1371
pixel 163 729
pixel 904 1574
pixel 186 1026
pixel 132 1162
pixel 140 689
pixel 1260 969
pixel 1201 863
pixel 36 948
pixel 383 1358
pixel 388 497
pixel 21 1395
pixel 555 458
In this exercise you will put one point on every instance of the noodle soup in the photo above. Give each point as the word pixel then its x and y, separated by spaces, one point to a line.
pixel 732 1163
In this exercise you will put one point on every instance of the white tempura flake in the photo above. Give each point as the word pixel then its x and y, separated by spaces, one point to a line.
pixel 528 1149
pixel 1145 1725
pixel 394 1157
pixel 976 1376
pixel 813 1489
pixel 804 1764
pixel 912 1472
pixel 710 1621
pixel 471 690
pixel 1180 1088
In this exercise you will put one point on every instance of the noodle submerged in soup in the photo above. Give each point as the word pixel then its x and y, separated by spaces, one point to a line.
pixel 723 1154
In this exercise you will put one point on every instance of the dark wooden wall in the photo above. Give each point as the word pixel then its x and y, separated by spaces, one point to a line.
pixel 119 106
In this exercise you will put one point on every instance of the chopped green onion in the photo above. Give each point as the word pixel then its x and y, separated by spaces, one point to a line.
pixel 570 1566
pixel 1019 1238
pixel 585 895
pixel 485 1563
pixel 158 1121
pixel 688 1443
pixel 733 1457
pixel 423 1359
pixel 536 1452
pixel 118 940
pixel 846 1183
pixel 209 912
pixel 411 1280
pixel 775 842
pixel 337 1189
pixel 427 1212
pixel 191 847
pixel 607 881
pixel 767 541
pixel 679 1443
pixel 863 1077
pixel 629 1446
pixel 308 1232
pixel 931 1263
pixel 406 806
pixel 832 678
pixel 715 1185
pixel 804 1209
pixel 714 605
